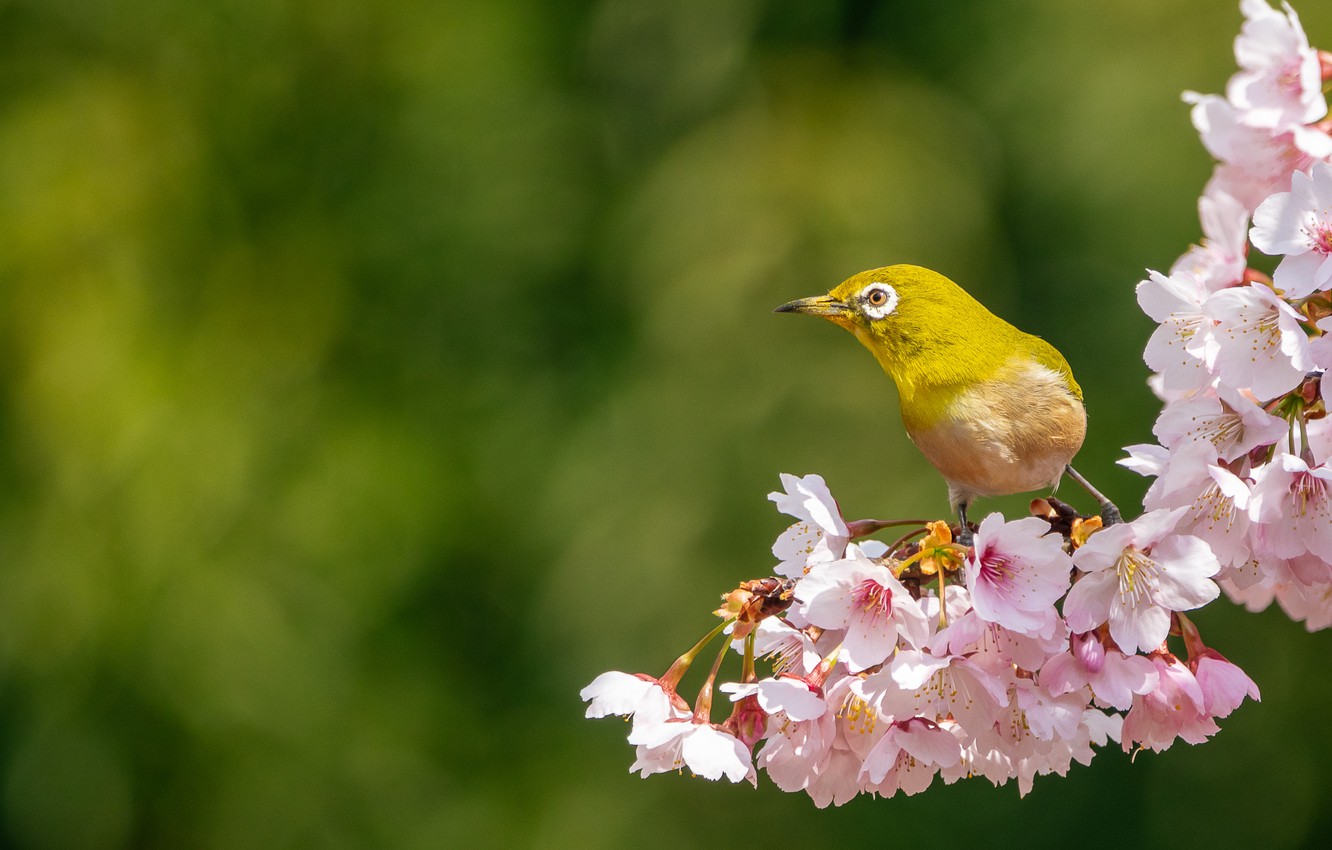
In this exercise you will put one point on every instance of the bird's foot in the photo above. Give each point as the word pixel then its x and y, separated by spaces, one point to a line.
pixel 965 535
pixel 1110 515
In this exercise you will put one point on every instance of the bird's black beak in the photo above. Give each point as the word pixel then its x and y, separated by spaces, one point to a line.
pixel 818 305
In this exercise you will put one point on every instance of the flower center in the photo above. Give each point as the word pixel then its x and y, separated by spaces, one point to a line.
pixel 1213 508
pixel 1222 430
pixel 859 715
pixel 1309 491
pixel 1186 325
pixel 996 569
pixel 1259 326
pixel 1289 79
pixel 1137 575
pixel 873 598
pixel 1320 236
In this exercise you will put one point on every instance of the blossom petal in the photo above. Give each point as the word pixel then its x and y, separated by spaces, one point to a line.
pixel 1187 566
pixel 1088 602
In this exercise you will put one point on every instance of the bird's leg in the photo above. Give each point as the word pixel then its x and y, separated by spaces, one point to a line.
pixel 1109 513
pixel 964 535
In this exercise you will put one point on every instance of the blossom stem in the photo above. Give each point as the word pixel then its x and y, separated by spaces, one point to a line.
pixel 703 705
pixel 897 544
pixel 747 673
pixel 943 607
pixel 865 527
pixel 1306 452
pixel 672 676
pixel 1193 643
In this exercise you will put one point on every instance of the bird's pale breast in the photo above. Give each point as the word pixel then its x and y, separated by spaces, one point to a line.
pixel 1010 434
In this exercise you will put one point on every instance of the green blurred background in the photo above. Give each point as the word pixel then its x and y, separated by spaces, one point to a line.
pixel 376 374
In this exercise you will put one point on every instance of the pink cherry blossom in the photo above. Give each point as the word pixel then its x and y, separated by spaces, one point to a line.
pixel 1135 575
pixel 1280 83
pixel 864 598
pixel 1180 476
pixel 1255 161
pixel 790 649
pixel 1292 502
pixel 1214 499
pixel 1001 649
pixel 1223 685
pixel 839 780
pixel 908 756
pixel 1298 225
pixel 1311 605
pixel 963 627
pixel 1175 709
pixel 1231 422
pixel 1258 342
pixel 1016 572
pixel 1256 595
pixel 1219 516
pixel 796 753
pixel 1049 716
pixel 1013 746
pixel 1112 676
pixel 919 684
pixel 1152 461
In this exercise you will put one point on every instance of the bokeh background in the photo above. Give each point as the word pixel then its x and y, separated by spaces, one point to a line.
pixel 374 375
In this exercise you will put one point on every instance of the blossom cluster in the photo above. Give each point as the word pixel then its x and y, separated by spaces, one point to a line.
pixel 1241 358
pixel 898 664
pixel 1044 638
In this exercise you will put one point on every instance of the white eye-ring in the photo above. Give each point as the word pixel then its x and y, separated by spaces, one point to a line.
pixel 879 299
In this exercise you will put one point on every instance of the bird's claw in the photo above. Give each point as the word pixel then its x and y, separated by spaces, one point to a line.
pixel 1110 515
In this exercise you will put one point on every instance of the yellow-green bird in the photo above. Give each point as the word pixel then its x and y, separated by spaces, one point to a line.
pixel 994 409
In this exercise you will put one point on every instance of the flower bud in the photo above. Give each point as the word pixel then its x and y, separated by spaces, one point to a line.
pixel 748 721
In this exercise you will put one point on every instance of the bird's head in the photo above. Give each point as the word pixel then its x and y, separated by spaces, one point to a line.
pixel 909 317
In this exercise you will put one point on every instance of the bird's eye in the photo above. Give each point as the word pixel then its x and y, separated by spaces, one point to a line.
pixel 879 299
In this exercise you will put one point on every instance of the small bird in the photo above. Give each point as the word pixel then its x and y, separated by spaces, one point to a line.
pixel 996 410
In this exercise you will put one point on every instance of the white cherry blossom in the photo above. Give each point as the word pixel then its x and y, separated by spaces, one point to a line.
pixel 1258 342
pixel 796 698
pixel 1279 83
pixel 1219 260
pixel 705 749
pixel 1292 501
pixel 820 534
pixel 1178 347
pixel 1298 225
